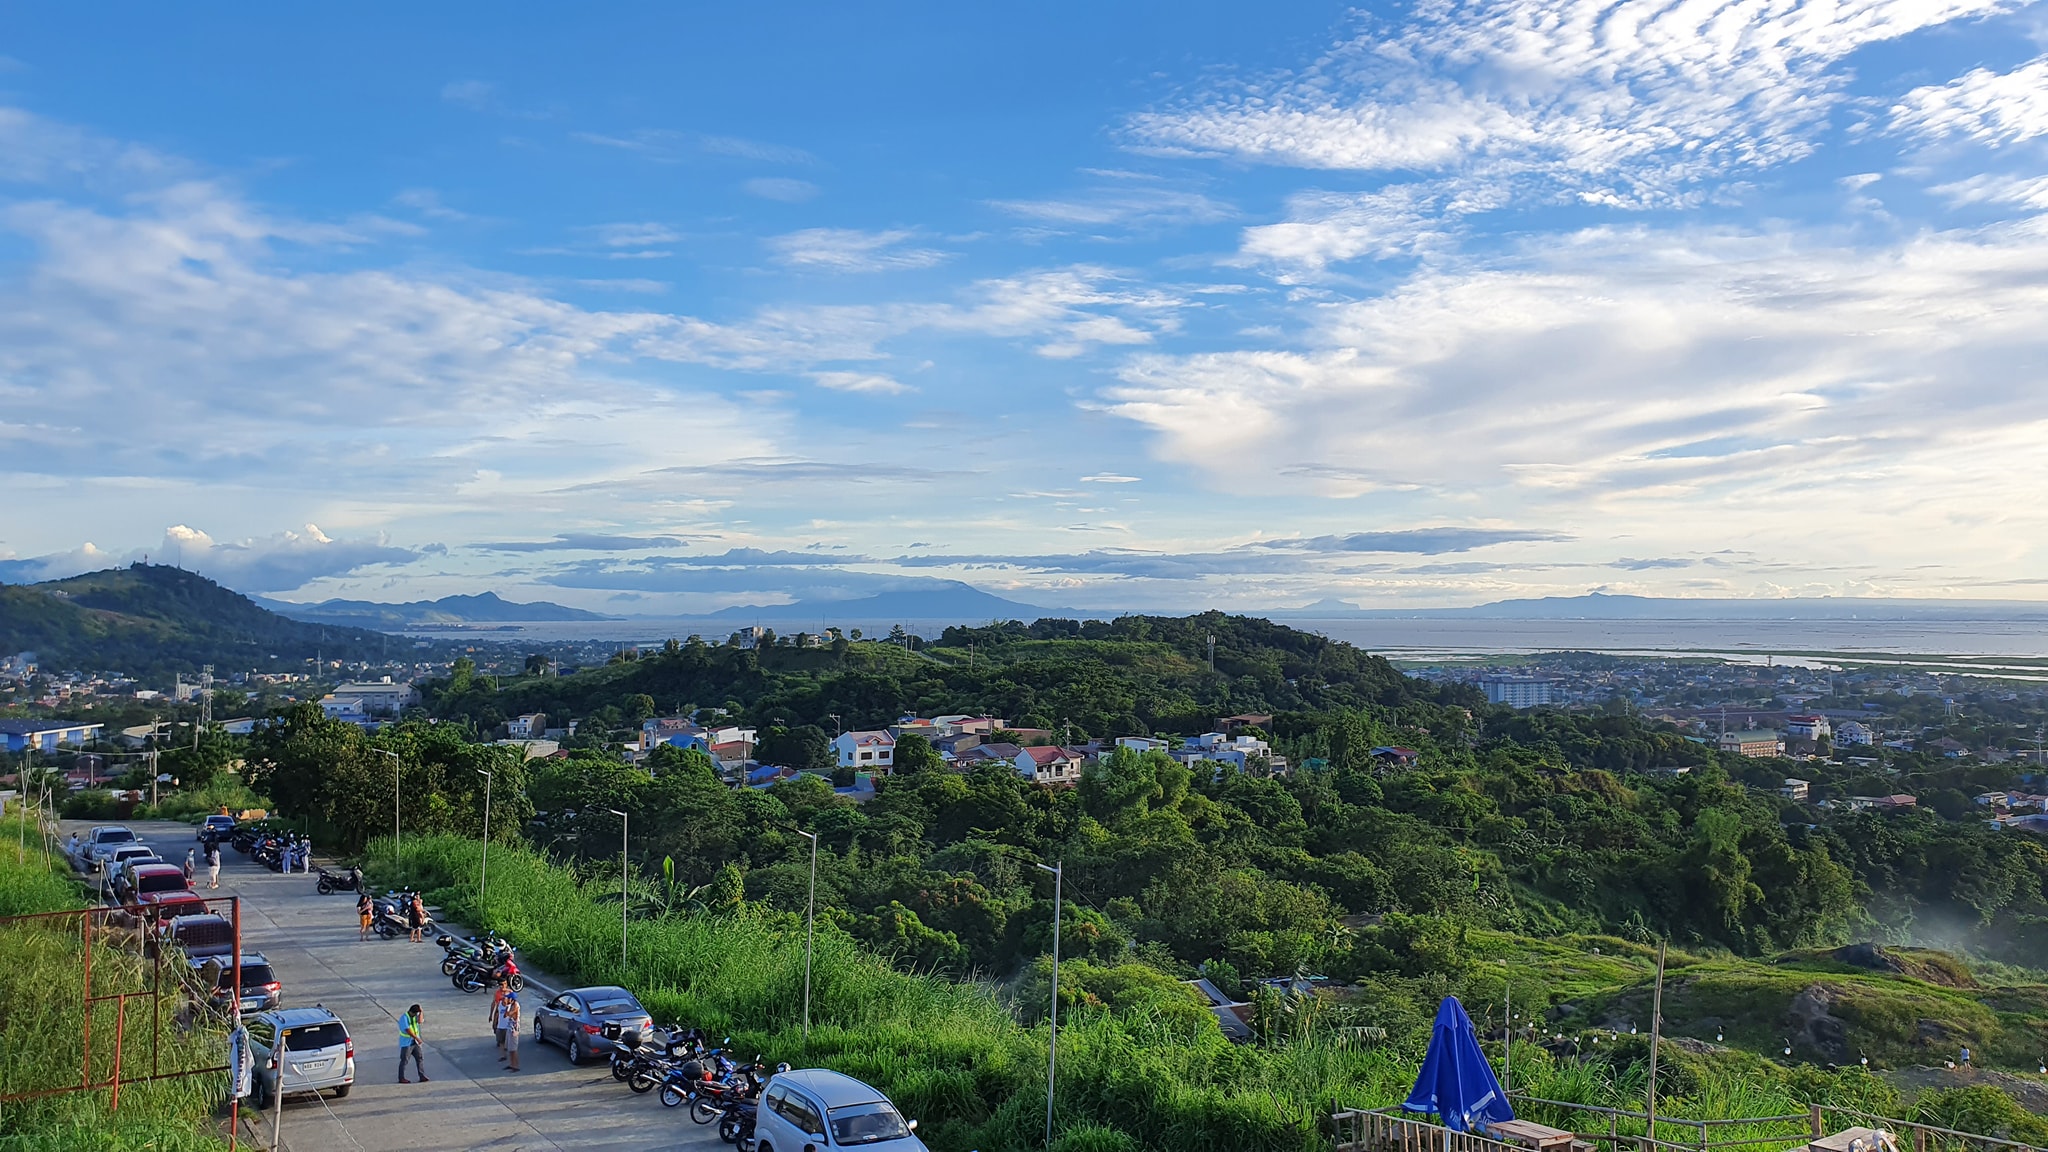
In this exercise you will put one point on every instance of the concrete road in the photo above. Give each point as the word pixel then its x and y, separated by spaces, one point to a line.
pixel 471 1102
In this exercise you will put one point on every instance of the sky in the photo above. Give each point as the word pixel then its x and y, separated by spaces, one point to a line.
pixel 662 308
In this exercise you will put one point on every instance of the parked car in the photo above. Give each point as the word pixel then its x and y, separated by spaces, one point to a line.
pixel 100 841
pixel 576 1019
pixel 121 857
pixel 799 1108
pixel 139 877
pixel 316 1053
pixel 199 936
pixel 215 828
pixel 261 990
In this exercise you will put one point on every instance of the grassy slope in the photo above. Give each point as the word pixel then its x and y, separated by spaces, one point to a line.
pixel 41 985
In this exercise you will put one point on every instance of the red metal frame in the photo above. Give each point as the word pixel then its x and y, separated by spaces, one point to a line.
pixel 86 918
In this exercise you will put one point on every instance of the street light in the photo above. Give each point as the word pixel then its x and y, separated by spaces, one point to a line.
pixel 483 868
pixel 1052 1054
pixel 394 802
pixel 625 823
pixel 810 920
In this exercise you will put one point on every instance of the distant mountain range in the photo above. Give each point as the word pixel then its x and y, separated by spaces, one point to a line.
pixel 927 601
pixel 483 608
pixel 1601 606
pixel 153 619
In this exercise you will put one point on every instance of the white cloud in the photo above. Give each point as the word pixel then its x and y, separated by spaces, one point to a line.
pixel 2026 192
pixel 632 235
pixel 1757 387
pixel 277 563
pixel 1631 103
pixel 1329 227
pixel 868 382
pixel 1124 205
pixel 782 188
pixel 852 250
pixel 1989 107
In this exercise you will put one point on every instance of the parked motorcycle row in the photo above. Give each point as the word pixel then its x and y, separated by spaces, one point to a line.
pixel 687 1071
pixel 479 962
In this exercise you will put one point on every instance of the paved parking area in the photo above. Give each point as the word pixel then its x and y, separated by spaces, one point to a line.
pixel 471 1101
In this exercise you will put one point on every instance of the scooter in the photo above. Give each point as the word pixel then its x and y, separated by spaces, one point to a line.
pixel 473 977
pixel 391 919
pixel 332 882
pixel 736 1123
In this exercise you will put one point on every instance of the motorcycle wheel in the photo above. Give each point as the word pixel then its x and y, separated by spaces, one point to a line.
pixel 642 1082
pixel 326 889
pixel 620 1071
pixel 704 1111
pixel 448 966
pixel 670 1097
pixel 729 1130
pixel 516 982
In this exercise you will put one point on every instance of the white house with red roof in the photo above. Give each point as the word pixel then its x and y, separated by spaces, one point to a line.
pixel 872 751
pixel 1050 764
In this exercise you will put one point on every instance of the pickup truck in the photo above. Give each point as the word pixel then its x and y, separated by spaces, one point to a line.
pixel 100 841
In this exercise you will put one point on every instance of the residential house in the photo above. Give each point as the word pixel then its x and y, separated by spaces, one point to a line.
pixel 1759 743
pixel 534 749
pixel 1854 732
pixel 1050 764
pixel 348 709
pixel 1245 753
pixel 1950 749
pixel 1808 726
pixel 1394 757
pixel 1001 752
pixel 1794 789
pixel 1229 724
pixel 984 725
pixel 1233 1016
pixel 951 748
pixel 1141 743
pixel 1995 799
pixel 868 751
pixel 531 726
pixel 47 735
pixel 1882 803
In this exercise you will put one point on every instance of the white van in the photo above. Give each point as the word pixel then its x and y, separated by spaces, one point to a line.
pixel 317 1054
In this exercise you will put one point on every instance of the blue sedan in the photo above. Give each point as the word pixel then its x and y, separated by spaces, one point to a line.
pixel 576 1019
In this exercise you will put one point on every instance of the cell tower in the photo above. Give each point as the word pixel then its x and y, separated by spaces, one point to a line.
pixel 206 696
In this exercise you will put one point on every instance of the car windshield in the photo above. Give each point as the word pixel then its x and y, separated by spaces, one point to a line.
pixel 168 882
pixel 867 1124
pixel 308 1037
pixel 116 836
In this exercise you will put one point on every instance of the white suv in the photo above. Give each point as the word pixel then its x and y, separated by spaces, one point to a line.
pixel 316 1055
pixel 799 1108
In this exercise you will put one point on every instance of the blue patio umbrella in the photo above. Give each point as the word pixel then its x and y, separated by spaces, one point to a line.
pixel 1456 1082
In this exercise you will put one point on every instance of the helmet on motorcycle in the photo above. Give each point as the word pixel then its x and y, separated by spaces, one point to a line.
pixel 781 1068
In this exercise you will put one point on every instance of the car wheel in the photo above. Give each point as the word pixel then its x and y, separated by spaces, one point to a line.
pixel 342 1092
pixel 540 1034
pixel 575 1050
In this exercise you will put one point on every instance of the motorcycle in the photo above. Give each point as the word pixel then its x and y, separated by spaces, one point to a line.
pixel 391 918
pixel 332 882
pixel 736 1123
pixel 489 949
pixel 717 1083
pixel 470 976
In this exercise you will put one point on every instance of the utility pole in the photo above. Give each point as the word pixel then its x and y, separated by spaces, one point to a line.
pixel 625 823
pixel 205 699
pixel 483 868
pixel 810 924
pixel 1212 651
pixel 1656 1033
pixel 1052 1052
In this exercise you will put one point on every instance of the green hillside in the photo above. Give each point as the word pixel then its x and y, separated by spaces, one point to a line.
pixel 152 619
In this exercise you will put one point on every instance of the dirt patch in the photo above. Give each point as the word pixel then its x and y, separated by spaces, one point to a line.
pixel 1916 963
pixel 2030 1091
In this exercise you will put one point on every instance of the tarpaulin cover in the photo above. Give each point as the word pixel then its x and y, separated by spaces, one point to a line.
pixel 1456 1082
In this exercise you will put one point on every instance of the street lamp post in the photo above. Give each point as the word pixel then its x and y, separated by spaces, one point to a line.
pixel 394 802
pixel 483 868
pixel 810 921
pixel 625 823
pixel 1052 1054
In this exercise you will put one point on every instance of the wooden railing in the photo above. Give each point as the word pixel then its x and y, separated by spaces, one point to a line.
pixel 1628 1131
pixel 1358 1131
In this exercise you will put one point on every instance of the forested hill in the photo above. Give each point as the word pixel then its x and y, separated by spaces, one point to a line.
pixel 1132 675
pixel 152 618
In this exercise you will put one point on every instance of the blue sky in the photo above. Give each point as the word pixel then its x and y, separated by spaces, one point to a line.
pixel 1139 305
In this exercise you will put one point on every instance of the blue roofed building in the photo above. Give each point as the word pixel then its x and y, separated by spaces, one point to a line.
pixel 47 735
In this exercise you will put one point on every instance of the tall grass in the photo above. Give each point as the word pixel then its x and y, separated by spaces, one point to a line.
pixel 956 1056
pixel 44 1021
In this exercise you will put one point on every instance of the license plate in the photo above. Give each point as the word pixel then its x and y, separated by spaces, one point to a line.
pixel 252 1002
pixel 315 1066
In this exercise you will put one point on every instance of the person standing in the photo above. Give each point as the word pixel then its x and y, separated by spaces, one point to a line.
pixel 409 1044
pixel 213 865
pixel 306 855
pixel 496 1015
pixel 366 911
pixel 416 916
pixel 509 1017
pixel 191 866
